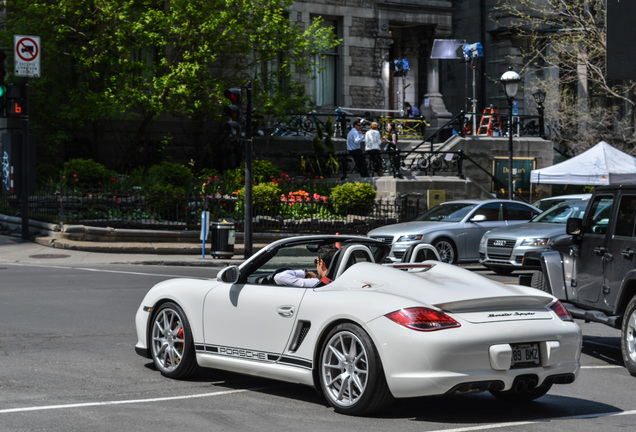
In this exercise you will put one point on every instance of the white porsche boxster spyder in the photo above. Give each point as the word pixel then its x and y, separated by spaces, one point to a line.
pixel 376 332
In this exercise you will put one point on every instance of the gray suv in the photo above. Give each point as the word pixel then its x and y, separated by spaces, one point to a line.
pixel 596 280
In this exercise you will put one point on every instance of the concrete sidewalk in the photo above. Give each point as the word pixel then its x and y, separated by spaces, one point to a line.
pixel 60 251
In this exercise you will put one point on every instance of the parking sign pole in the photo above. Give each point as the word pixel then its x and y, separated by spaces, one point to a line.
pixel 24 190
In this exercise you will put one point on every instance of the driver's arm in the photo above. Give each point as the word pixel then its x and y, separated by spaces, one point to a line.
pixel 295 278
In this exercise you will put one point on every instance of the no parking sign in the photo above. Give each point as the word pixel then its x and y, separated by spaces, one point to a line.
pixel 27 56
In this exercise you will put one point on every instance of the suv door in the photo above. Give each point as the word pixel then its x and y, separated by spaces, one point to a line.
pixel 587 283
pixel 619 258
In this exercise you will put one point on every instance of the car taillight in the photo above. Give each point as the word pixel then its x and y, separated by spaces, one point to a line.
pixel 422 319
pixel 561 311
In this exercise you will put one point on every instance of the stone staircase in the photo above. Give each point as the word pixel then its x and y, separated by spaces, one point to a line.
pixel 424 161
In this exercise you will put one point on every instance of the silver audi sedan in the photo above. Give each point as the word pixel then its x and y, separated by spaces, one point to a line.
pixel 454 227
pixel 502 249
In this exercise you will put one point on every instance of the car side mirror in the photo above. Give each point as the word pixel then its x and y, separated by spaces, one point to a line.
pixel 229 274
pixel 574 226
pixel 478 218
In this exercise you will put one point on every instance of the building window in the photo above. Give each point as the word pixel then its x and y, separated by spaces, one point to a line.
pixel 324 85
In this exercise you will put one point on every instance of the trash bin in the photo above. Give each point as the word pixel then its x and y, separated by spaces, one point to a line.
pixel 223 237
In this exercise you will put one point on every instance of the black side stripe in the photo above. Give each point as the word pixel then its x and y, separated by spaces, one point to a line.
pixel 252 355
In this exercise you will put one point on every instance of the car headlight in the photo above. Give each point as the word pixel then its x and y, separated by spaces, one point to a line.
pixel 410 237
pixel 535 241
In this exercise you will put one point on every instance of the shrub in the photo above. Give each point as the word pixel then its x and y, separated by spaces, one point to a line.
pixel 167 201
pixel 170 173
pixel 265 198
pixel 353 198
pixel 262 171
pixel 46 173
pixel 84 174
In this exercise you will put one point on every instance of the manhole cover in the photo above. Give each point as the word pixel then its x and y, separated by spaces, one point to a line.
pixel 49 256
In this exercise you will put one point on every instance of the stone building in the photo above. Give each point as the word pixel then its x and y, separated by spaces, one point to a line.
pixel 360 73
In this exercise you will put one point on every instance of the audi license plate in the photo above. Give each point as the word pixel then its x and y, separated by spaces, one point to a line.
pixel 524 355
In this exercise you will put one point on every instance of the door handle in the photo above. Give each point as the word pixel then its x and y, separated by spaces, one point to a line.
pixel 627 253
pixel 285 311
pixel 599 250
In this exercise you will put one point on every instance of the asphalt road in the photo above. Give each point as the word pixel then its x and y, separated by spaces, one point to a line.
pixel 67 341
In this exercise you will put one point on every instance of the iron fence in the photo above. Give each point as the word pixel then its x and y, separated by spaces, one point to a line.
pixel 390 162
pixel 174 212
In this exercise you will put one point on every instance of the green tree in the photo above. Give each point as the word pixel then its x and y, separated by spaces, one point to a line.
pixel 131 63
pixel 563 44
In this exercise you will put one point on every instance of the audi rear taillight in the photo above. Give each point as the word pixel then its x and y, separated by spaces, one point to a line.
pixel 558 308
pixel 422 319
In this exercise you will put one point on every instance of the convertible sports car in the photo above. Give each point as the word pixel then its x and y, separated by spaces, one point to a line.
pixel 375 333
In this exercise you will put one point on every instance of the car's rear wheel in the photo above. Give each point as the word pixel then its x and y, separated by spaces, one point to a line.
pixel 520 392
pixel 446 249
pixel 628 337
pixel 171 344
pixel 351 374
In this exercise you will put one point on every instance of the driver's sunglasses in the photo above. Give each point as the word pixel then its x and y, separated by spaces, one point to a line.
pixel 317 260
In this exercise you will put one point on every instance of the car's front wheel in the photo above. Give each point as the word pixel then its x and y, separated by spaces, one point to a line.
pixel 351 374
pixel 446 249
pixel 171 342
pixel 628 337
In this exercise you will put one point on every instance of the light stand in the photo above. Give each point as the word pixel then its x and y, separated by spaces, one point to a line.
pixel 510 80
pixel 472 53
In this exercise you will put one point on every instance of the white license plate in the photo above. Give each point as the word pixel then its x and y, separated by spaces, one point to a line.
pixel 525 355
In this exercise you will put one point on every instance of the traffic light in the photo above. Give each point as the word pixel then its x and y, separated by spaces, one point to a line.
pixel 15 100
pixel 3 73
pixel 233 126
pixel 3 86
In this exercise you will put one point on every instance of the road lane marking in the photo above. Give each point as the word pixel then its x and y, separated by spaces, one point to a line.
pixel 120 402
pixel 604 367
pixel 528 422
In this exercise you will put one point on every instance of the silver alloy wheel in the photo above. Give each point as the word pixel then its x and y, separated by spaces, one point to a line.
pixel 168 342
pixel 344 368
pixel 446 251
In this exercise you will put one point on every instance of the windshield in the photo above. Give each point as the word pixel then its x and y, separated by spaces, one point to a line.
pixel 561 212
pixel 454 212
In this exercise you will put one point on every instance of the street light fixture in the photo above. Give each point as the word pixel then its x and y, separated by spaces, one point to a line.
pixel 539 98
pixel 510 80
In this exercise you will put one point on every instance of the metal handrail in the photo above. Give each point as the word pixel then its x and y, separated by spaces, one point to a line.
pixel 459 116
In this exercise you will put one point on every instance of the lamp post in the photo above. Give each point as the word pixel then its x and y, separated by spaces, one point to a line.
pixel 510 80
pixel 539 98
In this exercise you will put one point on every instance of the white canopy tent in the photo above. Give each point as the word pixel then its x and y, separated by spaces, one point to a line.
pixel 600 165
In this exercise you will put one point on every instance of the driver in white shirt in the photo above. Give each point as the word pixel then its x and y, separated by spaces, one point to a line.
pixel 300 278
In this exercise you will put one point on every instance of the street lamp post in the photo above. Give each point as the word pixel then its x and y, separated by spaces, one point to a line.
pixel 510 80
pixel 539 98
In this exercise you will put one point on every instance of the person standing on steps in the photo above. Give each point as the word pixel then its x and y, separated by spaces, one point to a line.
pixel 372 141
pixel 355 138
pixel 390 145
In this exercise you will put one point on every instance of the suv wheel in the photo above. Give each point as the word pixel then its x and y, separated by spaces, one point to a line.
pixel 538 281
pixel 628 337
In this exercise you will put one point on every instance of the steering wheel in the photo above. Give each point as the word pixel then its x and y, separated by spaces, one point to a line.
pixel 269 279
